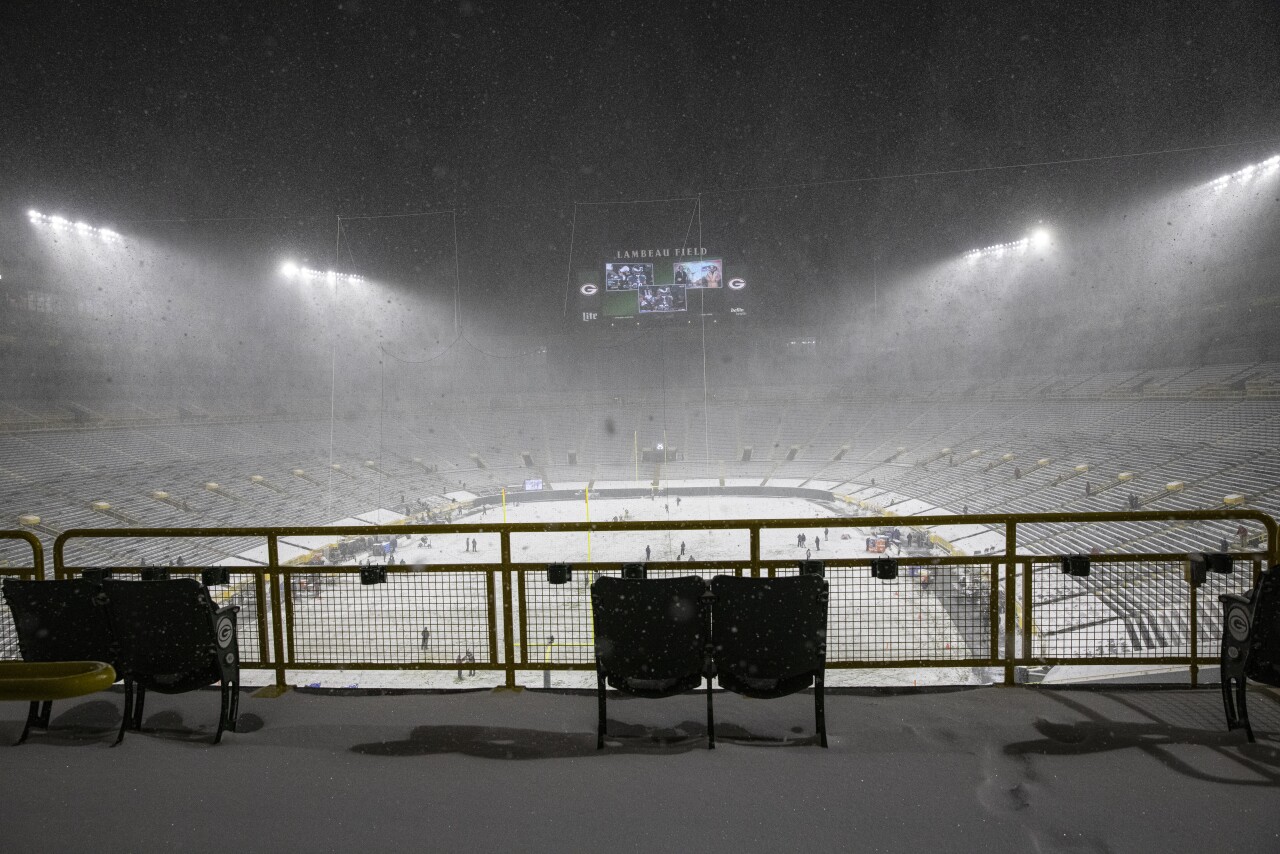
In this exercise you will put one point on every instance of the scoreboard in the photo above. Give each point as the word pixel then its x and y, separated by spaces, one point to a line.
pixel 660 285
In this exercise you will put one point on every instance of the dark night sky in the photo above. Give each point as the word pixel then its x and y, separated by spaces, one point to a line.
pixel 512 111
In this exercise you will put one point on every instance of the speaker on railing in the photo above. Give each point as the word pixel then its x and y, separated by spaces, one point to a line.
pixel 884 568
pixel 373 575
pixel 95 574
pixel 1077 565
pixel 813 567
pixel 559 573
pixel 1200 564
pixel 215 575
pixel 635 570
pixel 154 573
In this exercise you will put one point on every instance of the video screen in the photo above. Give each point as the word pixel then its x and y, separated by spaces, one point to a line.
pixel 620 304
pixel 662 300
pixel 705 273
pixel 648 292
pixel 627 277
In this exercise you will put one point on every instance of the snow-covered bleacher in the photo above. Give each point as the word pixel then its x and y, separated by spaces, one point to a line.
pixel 1037 444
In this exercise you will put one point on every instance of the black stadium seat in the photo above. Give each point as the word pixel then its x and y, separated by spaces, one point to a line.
pixel 60 621
pixel 650 639
pixel 1250 645
pixel 173 639
pixel 769 637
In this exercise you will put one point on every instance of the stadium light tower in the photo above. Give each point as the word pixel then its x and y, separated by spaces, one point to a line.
pixel 1040 240
pixel 290 270
pixel 1255 171
pixel 61 224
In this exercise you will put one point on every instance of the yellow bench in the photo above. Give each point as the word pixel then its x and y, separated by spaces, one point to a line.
pixel 35 682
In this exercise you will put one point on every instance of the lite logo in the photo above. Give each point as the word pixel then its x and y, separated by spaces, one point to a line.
pixel 590 315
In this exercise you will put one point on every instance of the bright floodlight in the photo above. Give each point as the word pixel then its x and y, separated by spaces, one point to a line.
pixel 1254 170
pixel 59 223
pixel 306 274
pixel 1038 239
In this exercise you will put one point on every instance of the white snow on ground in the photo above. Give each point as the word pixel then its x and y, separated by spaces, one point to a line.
pixel 241 561
pixel 308 543
pixel 382 516
pixel 1165 674
pixel 972 539
pixel 884 499
pixel 861 492
pixel 348 522
pixel 258 554
pixel 1007 770
pixel 912 507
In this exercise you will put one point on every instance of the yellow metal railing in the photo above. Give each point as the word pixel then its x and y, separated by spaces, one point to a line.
pixel 37 553
pixel 946 611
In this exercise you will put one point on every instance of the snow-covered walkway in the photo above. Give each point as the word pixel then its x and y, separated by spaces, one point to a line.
pixel 989 769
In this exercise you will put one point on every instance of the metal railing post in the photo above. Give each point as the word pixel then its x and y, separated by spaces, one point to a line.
pixel 1010 623
pixel 59 559
pixel 290 628
pixel 993 604
pixel 754 531
pixel 260 594
pixel 491 612
pixel 277 607
pixel 522 601
pixel 508 617
pixel 1195 639
pixel 1026 609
